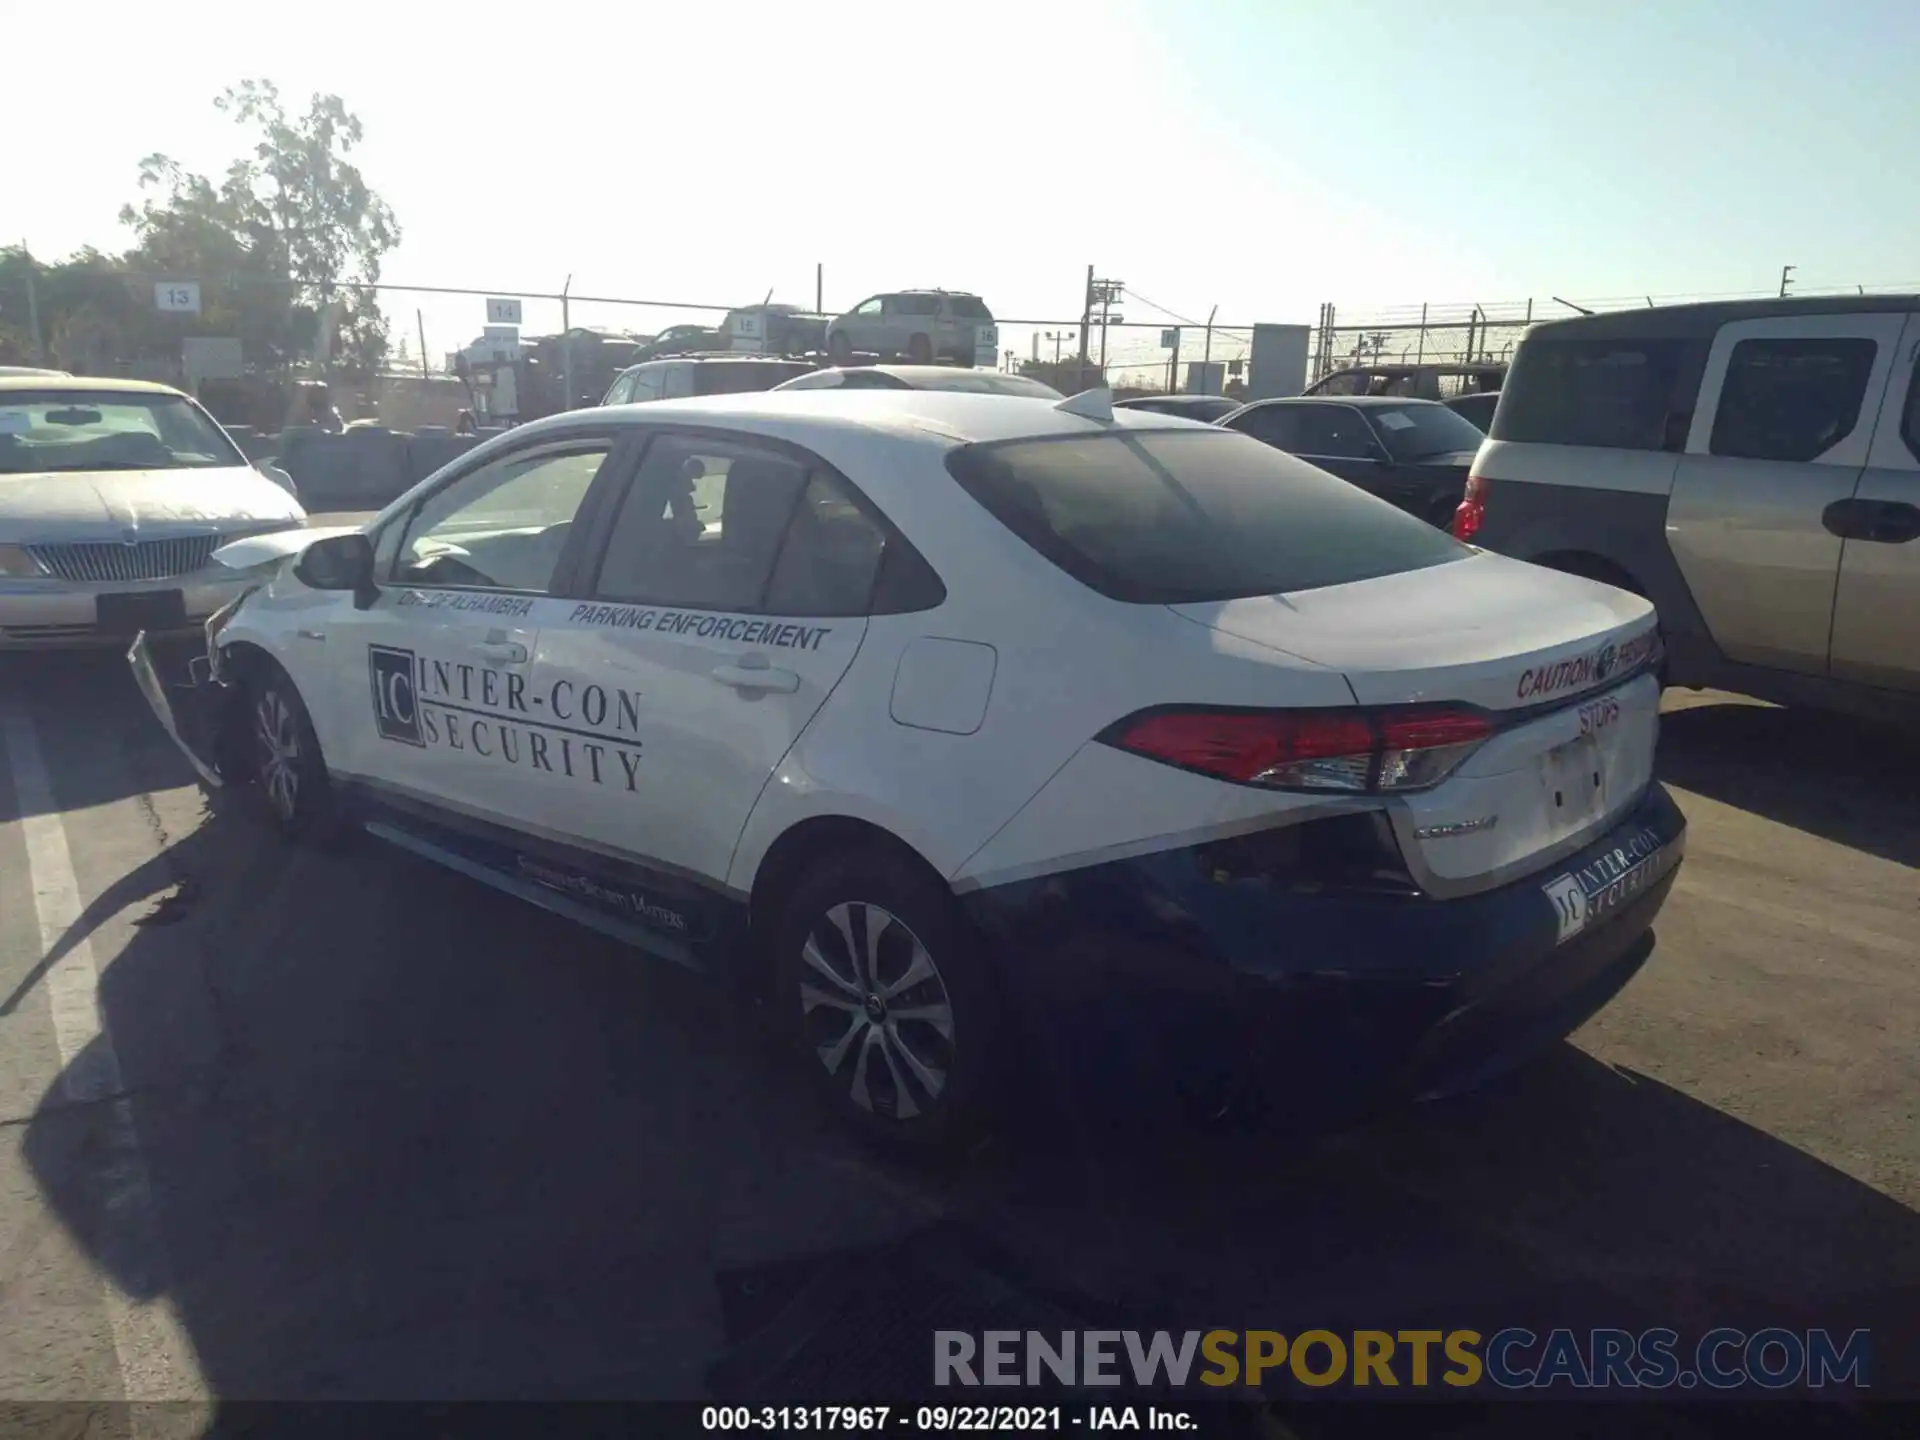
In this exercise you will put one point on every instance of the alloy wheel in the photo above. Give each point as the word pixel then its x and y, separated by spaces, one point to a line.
pixel 278 735
pixel 877 1012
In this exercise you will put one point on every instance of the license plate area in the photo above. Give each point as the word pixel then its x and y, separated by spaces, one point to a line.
pixel 1588 896
pixel 1573 784
pixel 125 614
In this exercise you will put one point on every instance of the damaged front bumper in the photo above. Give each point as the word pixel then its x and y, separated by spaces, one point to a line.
pixel 194 702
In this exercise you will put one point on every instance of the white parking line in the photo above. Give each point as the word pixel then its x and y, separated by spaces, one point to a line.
pixel 154 1355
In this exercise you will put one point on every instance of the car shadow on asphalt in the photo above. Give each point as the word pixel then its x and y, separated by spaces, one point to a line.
pixel 1830 775
pixel 90 719
pixel 410 1139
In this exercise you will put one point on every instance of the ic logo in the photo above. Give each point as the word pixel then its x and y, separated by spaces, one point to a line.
pixel 1604 662
pixel 396 712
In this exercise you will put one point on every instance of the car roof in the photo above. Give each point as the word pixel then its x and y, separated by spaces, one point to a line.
pixel 914 373
pixel 701 357
pixel 91 384
pixel 1142 402
pixel 1701 319
pixel 1369 402
pixel 943 417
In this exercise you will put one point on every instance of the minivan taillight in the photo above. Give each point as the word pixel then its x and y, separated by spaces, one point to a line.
pixel 1396 748
pixel 1471 513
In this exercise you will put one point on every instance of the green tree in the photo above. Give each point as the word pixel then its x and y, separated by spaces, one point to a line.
pixel 282 238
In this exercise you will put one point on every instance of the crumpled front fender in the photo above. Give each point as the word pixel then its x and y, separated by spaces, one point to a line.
pixel 196 707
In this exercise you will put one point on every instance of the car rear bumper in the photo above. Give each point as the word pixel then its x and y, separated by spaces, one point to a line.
pixel 54 614
pixel 1154 972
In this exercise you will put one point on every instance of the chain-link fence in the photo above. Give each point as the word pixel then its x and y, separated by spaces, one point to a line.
pixel 97 317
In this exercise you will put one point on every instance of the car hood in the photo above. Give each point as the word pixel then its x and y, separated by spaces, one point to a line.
pixel 81 505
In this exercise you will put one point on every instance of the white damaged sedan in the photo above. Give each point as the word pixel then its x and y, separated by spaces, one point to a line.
pixel 114 494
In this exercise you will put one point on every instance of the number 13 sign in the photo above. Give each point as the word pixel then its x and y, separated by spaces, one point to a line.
pixel 180 295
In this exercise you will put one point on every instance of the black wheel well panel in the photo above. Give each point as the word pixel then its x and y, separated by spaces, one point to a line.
pixel 240 661
pixel 1593 567
pixel 789 855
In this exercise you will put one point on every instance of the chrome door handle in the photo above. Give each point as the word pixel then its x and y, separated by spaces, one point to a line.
pixel 506 652
pixel 755 678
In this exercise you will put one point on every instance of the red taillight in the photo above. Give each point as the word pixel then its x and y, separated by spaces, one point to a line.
pixel 1472 511
pixel 1405 748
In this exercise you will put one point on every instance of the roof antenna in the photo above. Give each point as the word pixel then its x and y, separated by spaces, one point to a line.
pixel 1095 404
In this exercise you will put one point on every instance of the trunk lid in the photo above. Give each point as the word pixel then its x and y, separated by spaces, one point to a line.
pixel 1487 631
pixel 1550 656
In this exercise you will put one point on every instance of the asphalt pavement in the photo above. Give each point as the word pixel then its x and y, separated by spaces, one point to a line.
pixel 282 1123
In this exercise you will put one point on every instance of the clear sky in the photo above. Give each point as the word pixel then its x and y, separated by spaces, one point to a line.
pixel 1260 156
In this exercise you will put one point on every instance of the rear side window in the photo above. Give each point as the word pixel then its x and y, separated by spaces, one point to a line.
pixel 1910 426
pixel 711 524
pixel 1791 399
pixel 970 307
pixel 735 377
pixel 914 304
pixel 1275 425
pixel 1615 394
pixel 1163 517
pixel 1333 432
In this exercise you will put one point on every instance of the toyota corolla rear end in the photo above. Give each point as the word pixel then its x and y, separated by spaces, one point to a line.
pixel 1387 823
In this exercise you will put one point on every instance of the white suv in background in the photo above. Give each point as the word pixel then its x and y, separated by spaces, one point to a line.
pixel 923 326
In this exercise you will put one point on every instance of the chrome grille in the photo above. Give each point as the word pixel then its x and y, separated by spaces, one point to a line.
pixel 143 560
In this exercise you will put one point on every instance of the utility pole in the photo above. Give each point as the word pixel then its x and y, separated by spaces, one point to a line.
pixel 1086 314
pixel 1106 292
pixel 420 322
pixel 33 308
pixel 1786 271
pixel 566 344
pixel 819 287
pixel 1206 356
pixel 1173 365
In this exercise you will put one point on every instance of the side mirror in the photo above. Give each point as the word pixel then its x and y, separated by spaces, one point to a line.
pixel 279 477
pixel 340 562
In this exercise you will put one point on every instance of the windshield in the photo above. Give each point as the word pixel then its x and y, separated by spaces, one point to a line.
pixel 1423 432
pixel 1172 516
pixel 46 430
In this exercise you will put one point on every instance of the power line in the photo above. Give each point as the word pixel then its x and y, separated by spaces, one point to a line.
pixel 1156 305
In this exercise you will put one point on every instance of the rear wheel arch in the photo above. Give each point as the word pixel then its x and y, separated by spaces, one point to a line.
pixel 801 845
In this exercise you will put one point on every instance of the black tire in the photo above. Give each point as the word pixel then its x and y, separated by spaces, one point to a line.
pixel 839 347
pixel 924 1083
pixel 283 757
pixel 920 350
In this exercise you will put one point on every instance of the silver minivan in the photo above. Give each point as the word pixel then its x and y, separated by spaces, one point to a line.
pixel 1752 467
pixel 923 326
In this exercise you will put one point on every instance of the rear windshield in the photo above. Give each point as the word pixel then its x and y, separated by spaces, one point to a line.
pixel 1615 394
pixel 733 377
pixel 1423 432
pixel 970 307
pixel 1170 516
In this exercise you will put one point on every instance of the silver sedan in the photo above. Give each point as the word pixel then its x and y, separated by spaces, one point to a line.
pixel 114 495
